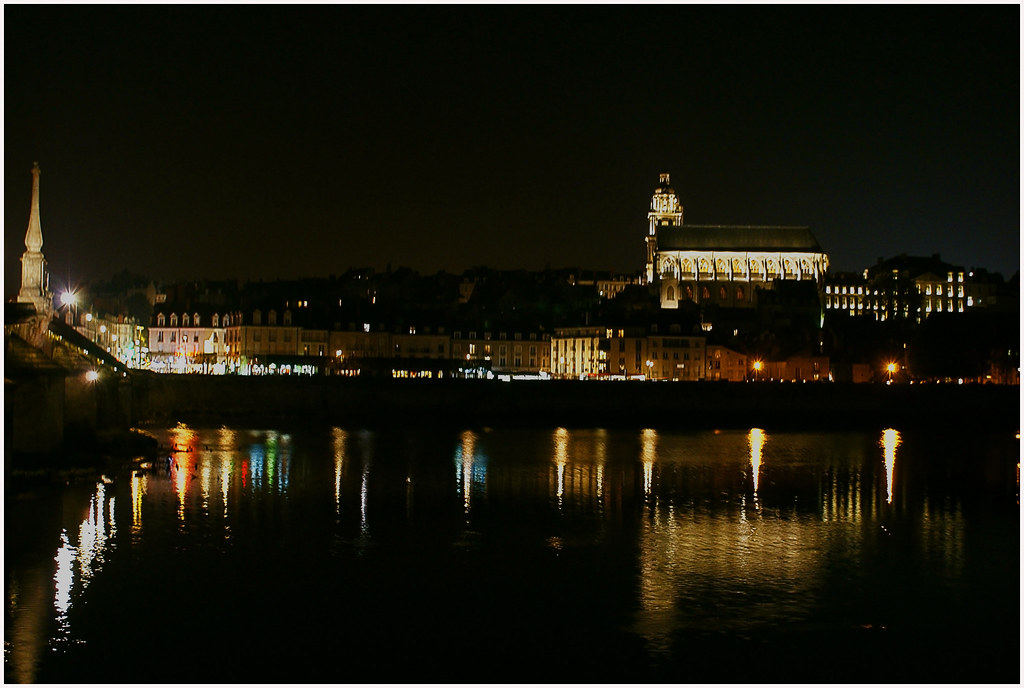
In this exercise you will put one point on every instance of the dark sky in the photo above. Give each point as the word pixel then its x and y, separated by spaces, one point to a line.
pixel 262 142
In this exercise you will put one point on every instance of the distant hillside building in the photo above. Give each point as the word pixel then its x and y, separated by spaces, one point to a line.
pixel 723 264
pixel 904 287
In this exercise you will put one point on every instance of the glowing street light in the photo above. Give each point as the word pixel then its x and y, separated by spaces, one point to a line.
pixel 92 375
pixel 68 298
pixel 890 368
pixel 758 365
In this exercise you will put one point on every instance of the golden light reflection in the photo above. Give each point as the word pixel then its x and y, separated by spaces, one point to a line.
pixel 561 458
pixel 890 440
pixel 648 452
pixel 600 457
pixel 138 490
pixel 756 437
pixel 339 438
pixel 466 455
pixel 179 470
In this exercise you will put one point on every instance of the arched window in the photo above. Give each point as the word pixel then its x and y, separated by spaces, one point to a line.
pixel 161 320
pixel 174 319
pixel 689 293
pixel 216 320
pixel 184 319
pixel 721 293
pixel 195 319
pixel 257 317
pixel 705 294
pixel 287 317
pixel 670 294
pixel 272 317
pixel 739 293
pixel 227 320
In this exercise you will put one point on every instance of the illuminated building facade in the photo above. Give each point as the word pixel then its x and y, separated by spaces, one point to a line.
pixel 723 264
pixel 599 352
pixel 187 340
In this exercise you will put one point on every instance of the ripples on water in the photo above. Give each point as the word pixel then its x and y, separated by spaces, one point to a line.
pixel 522 555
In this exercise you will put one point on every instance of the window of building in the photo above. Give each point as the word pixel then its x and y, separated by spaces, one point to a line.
pixel 195 319
pixel 670 294
pixel 257 317
pixel 272 317
pixel 172 337
pixel 739 293
pixel 287 317
pixel 184 320
pixel 704 293
pixel 160 320
pixel 159 336
pixel 472 335
pixel 215 320
pixel 174 319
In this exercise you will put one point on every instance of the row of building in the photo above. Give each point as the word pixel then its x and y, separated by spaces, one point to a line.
pixel 363 324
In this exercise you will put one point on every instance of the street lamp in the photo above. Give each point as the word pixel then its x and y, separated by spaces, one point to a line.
pixel 757 369
pixel 68 300
pixel 650 368
pixel 890 368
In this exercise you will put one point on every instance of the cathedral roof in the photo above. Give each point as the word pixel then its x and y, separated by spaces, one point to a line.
pixel 736 238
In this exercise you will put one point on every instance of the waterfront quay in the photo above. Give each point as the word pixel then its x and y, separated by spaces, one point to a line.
pixel 699 405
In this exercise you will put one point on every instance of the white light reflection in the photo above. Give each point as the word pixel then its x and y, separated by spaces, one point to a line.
pixel 648 452
pixel 365 440
pixel 890 440
pixel 561 458
pixel 204 483
pixel 64 579
pixel 756 438
pixel 600 451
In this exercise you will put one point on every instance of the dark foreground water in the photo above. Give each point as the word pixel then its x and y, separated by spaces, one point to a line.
pixel 345 555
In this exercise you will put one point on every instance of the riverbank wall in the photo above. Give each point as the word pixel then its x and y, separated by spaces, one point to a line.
pixel 260 401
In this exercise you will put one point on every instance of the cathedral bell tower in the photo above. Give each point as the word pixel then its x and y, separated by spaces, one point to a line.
pixel 34 280
pixel 666 210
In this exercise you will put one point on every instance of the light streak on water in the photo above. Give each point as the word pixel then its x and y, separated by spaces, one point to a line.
pixel 890 440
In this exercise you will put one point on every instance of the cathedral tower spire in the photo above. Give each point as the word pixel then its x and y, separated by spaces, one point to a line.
pixel 665 210
pixel 34 281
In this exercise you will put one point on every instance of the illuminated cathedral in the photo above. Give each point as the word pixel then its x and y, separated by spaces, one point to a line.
pixel 723 264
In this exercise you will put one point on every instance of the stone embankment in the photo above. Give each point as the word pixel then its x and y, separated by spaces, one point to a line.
pixel 260 401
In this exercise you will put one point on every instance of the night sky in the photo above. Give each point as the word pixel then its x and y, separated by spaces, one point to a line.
pixel 268 142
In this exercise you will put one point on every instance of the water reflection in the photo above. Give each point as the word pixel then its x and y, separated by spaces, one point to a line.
pixel 890 440
pixel 756 438
pixel 668 516
pixel 338 437
pixel 96 538
pixel 648 453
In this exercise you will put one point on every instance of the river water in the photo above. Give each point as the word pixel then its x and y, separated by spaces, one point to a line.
pixel 343 555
